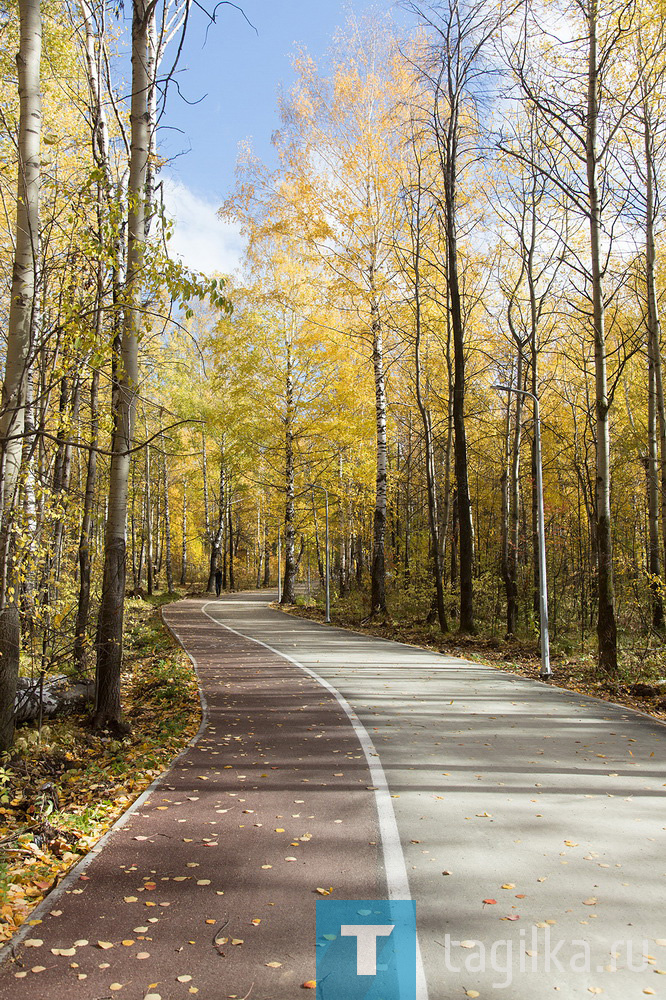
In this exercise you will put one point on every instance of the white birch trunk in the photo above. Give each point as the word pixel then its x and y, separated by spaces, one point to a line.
pixel 19 337
pixel 110 623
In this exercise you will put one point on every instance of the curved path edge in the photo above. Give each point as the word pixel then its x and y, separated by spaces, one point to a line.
pixel 75 872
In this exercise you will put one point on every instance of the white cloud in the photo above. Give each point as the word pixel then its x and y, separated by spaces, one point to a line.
pixel 200 238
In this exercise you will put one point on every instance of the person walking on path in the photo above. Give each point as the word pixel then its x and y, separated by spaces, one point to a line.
pixel 218 582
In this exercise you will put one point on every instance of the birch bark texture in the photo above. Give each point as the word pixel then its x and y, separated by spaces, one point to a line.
pixel 19 344
pixel 108 712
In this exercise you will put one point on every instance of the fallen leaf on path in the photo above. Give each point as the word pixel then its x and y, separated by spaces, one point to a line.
pixel 490 902
pixel 309 984
pixel 274 965
pixel 104 945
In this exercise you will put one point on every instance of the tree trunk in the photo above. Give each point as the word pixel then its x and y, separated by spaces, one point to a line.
pixel 431 484
pixel 148 518
pixel 217 540
pixel 511 505
pixel 63 483
pixel 652 473
pixel 167 519
pixel 606 625
pixel 288 588
pixel 111 614
pixel 378 574
pixel 80 631
pixel 464 507
pixel 9 668
pixel 267 557
pixel 260 551
pixel 230 533
pixel 183 559
pixel 18 346
pixel 656 417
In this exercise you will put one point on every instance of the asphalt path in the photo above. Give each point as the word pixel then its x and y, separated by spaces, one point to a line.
pixel 526 822
pixel 549 803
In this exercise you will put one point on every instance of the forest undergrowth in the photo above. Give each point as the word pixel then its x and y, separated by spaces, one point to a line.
pixel 61 793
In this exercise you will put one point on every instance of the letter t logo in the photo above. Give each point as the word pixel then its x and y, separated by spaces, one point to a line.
pixel 366 944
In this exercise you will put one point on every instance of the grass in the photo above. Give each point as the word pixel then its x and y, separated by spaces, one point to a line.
pixel 60 795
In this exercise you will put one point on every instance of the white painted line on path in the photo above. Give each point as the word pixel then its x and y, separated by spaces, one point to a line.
pixel 397 882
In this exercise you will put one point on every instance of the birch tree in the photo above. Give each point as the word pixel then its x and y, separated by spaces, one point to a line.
pixel 452 67
pixel 19 346
pixel 111 613
pixel 581 104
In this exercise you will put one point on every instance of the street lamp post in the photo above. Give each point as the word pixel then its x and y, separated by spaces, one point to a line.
pixel 328 568
pixel 545 671
pixel 315 486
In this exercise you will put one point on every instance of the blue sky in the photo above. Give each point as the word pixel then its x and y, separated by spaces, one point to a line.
pixel 236 72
